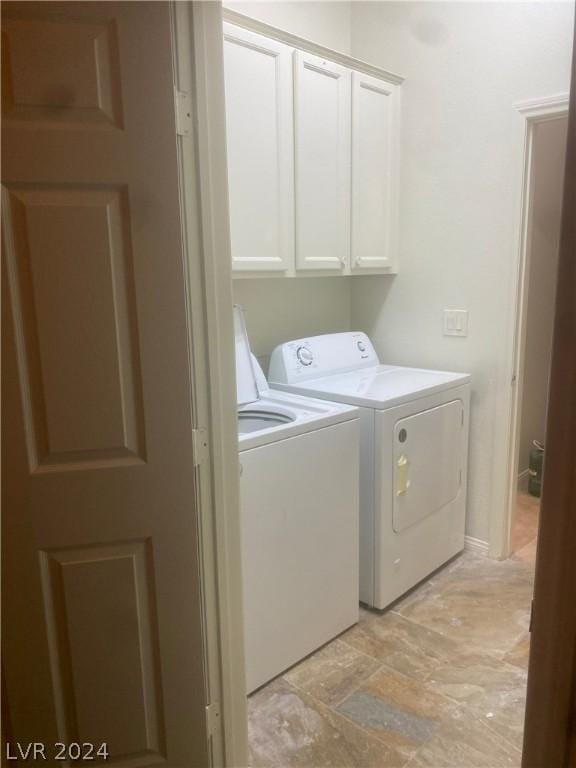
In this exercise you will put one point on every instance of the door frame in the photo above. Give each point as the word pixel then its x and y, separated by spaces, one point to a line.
pixel 534 112
pixel 203 180
pixel 550 724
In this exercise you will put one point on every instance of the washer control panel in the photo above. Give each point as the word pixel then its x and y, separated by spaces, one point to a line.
pixel 321 356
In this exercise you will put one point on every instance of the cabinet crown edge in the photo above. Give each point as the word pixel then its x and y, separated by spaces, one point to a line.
pixel 309 46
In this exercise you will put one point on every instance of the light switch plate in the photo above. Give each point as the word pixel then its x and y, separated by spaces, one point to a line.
pixel 455 322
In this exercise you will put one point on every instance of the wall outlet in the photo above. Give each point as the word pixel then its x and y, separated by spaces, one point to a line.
pixel 455 322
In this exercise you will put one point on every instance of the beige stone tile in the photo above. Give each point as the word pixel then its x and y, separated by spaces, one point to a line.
pixel 403 645
pixel 483 605
pixel 526 503
pixel 330 674
pixel 519 655
pixel 493 689
pixel 435 580
pixel 288 728
pixel 364 614
pixel 528 553
pixel 490 688
pixel 525 523
pixel 438 680
pixel 464 741
pixel 397 710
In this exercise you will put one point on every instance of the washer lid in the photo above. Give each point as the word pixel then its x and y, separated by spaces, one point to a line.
pixel 246 386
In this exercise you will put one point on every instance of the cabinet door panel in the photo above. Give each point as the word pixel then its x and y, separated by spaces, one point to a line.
pixel 375 105
pixel 260 140
pixel 322 126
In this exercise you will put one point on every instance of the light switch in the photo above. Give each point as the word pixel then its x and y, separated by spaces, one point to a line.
pixel 455 322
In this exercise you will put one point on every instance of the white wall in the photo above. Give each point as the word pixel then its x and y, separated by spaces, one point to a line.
pixel 466 65
pixel 327 23
pixel 281 309
pixel 548 179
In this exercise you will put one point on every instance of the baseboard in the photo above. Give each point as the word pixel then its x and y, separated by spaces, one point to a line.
pixel 523 478
pixel 476 545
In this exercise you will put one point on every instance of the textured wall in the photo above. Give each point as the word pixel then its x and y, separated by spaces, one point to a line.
pixel 280 309
pixel 328 23
pixel 466 65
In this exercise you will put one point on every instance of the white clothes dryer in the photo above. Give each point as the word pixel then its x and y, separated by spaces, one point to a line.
pixel 413 454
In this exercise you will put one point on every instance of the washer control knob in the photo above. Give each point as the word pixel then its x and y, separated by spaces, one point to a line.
pixel 304 356
pixel 361 346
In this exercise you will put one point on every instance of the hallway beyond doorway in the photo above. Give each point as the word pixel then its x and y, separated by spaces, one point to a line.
pixel 525 527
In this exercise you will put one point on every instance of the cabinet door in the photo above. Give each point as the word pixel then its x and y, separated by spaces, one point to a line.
pixel 322 126
pixel 260 140
pixel 375 154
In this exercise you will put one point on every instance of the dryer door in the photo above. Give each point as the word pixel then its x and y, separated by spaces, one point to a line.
pixel 427 466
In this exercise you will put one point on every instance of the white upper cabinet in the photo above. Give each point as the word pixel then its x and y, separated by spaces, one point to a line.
pixel 313 156
pixel 260 141
pixel 375 156
pixel 322 163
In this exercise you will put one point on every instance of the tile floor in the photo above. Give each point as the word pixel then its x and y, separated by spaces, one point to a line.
pixel 525 528
pixel 438 681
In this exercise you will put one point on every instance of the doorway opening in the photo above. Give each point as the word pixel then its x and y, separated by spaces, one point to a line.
pixel 445 665
pixel 543 194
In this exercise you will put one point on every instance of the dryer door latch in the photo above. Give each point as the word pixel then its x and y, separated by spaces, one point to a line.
pixel 402 482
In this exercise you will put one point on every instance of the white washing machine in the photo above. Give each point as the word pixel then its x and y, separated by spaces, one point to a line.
pixel 413 454
pixel 299 515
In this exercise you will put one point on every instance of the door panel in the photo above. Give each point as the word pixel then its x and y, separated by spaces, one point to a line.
pixel 101 582
pixel 82 588
pixel 79 86
pixel 322 126
pixel 427 463
pixel 374 158
pixel 83 377
pixel 259 124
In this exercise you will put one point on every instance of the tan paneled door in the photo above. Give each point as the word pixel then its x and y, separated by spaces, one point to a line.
pixel 102 632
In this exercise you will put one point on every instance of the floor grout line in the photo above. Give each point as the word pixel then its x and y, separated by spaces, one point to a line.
pixel 339 701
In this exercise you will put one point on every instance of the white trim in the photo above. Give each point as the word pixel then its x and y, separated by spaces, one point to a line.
pixel 303 44
pixel 211 152
pixel 188 174
pixel 546 108
pixel 534 111
pixel 204 201
pixel 476 545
